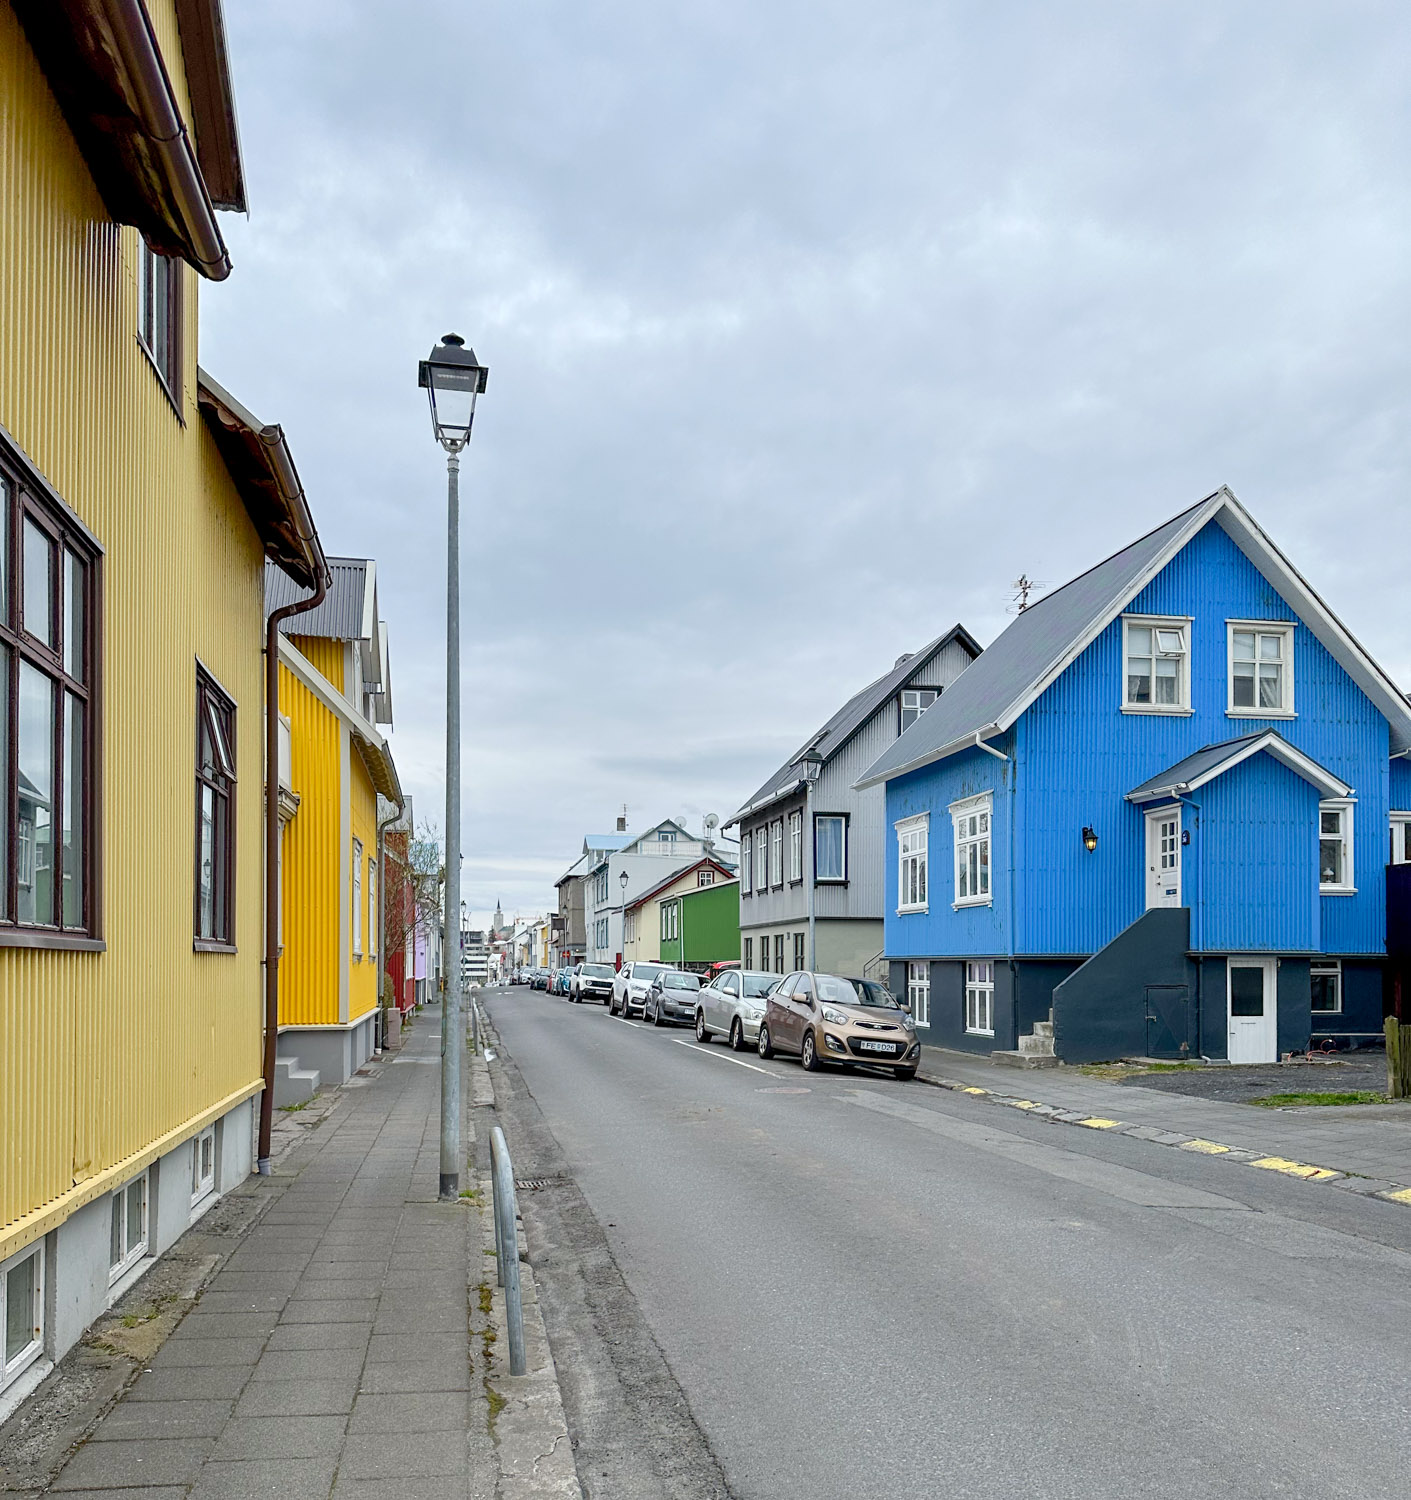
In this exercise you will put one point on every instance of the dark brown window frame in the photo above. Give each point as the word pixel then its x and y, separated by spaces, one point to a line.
pixel 166 361
pixel 32 497
pixel 212 698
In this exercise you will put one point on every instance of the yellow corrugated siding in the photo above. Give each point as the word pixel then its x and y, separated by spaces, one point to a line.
pixel 325 654
pixel 105 1053
pixel 308 968
pixel 362 975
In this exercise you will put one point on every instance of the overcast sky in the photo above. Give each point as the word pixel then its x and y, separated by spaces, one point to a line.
pixel 810 326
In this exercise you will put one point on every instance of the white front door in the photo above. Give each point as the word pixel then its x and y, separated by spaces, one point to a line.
pixel 1163 857
pixel 1254 1010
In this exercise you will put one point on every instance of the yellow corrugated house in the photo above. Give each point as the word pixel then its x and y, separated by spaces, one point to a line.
pixel 335 691
pixel 138 506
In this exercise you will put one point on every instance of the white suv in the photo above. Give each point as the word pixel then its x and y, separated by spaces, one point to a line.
pixel 629 989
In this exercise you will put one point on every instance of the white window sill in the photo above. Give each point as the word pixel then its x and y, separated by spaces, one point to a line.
pixel 22 1384
pixel 1260 713
pixel 1337 890
pixel 969 1032
pixel 129 1276
pixel 1162 710
pixel 973 901
pixel 911 911
pixel 1335 1014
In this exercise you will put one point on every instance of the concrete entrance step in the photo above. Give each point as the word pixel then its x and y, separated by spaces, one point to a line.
pixel 1023 1059
pixel 293 1084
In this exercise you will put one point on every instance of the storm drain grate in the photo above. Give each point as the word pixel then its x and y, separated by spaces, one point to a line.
pixel 533 1184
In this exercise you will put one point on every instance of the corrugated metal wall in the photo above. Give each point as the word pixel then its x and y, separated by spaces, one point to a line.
pixel 328 656
pixel 105 1053
pixel 313 888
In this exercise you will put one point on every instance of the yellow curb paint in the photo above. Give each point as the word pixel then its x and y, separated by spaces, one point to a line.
pixel 1021 1104
pixel 1295 1169
pixel 972 1090
pixel 1098 1123
pixel 1207 1148
pixel 1401 1195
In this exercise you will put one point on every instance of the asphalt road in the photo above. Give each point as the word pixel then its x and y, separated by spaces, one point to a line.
pixel 765 1284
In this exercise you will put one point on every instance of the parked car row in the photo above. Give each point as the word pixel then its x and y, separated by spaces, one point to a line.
pixel 821 1019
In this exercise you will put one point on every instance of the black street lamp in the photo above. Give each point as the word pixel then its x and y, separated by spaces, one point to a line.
pixel 452 379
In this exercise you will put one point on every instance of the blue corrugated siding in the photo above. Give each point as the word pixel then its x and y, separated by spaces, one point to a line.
pixel 976 930
pixel 1078 754
pixel 1242 900
pixel 1400 786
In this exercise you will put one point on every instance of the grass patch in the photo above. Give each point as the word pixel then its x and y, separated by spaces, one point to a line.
pixel 293 1109
pixel 1353 1096
pixel 497 1403
pixel 487 1297
pixel 1184 1067
pixel 471 1193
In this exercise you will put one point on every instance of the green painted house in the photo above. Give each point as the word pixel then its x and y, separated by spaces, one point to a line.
pixel 702 926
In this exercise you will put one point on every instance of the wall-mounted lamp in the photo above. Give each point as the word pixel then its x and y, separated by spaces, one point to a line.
pixel 1089 840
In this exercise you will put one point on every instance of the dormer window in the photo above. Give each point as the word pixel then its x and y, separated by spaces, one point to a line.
pixel 914 703
pixel 1156 652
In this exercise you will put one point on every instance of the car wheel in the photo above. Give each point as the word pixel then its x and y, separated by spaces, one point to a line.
pixel 612 1005
pixel 702 1031
pixel 809 1059
pixel 766 1049
pixel 737 1036
pixel 657 1018
pixel 906 1074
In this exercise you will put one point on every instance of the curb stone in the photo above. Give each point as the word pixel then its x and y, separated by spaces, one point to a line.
pixel 1369 1187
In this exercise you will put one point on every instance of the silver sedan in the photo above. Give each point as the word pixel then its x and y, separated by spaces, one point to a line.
pixel 733 1006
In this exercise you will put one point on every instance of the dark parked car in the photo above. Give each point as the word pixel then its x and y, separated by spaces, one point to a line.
pixel 671 999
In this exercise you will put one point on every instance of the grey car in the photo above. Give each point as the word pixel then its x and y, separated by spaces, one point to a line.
pixel 732 1006
pixel 671 1000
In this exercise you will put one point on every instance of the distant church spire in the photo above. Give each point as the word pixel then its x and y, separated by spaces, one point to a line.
pixel 499 915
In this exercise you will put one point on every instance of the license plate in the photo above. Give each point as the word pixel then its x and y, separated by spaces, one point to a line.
pixel 887 1047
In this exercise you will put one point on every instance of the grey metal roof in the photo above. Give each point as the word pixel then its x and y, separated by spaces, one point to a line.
pixel 857 711
pixel 343 616
pixel 1210 760
pixel 607 841
pixel 1039 639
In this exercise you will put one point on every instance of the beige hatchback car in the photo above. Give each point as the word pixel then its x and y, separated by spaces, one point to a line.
pixel 824 1018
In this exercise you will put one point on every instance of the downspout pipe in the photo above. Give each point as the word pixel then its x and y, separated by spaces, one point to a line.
pixel 382 828
pixel 281 462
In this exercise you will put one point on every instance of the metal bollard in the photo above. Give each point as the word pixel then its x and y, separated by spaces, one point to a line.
pixel 507 1245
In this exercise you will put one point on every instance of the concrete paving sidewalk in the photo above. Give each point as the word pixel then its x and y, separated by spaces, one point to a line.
pixel 1372 1141
pixel 332 1354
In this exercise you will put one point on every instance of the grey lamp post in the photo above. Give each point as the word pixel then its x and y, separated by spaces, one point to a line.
pixel 810 763
pixel 452 379
pixel 622 882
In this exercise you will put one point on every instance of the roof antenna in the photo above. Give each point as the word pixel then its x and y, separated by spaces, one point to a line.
pixel 1023 586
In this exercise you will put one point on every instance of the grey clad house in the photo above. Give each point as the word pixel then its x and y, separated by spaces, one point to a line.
pixel 812 845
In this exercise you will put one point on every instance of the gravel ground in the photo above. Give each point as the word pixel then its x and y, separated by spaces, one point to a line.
pixel 1238 1085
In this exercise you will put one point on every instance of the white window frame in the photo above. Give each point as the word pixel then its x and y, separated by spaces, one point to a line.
pixel 203 1183
pixel 629 926
pixel 1179 623
pixel 915 707
pixel 1332 968
pixel 761 858
pixel 131 1254
pixel 830 879
pixel 1347 886
pixel 357 898
pixel 913 873
pixel 776 852
pixel 704 878
pixel 746 864
pixel 1400 838
pixel 981 806
pixel 372 910
pixel 795 846
pixel 918 992
pixel 980 998
pixel 1282 628
pixel 14 1365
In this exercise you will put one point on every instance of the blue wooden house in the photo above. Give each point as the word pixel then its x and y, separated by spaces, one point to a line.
pixel 1158 816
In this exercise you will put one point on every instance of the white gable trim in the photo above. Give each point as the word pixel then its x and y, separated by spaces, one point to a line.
pixel 1272 742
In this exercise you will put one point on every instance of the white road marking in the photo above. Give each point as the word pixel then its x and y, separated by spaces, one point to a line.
pixel 625 1022
pixel 725 1057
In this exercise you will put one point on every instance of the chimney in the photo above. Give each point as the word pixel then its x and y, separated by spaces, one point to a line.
pixel 621 824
